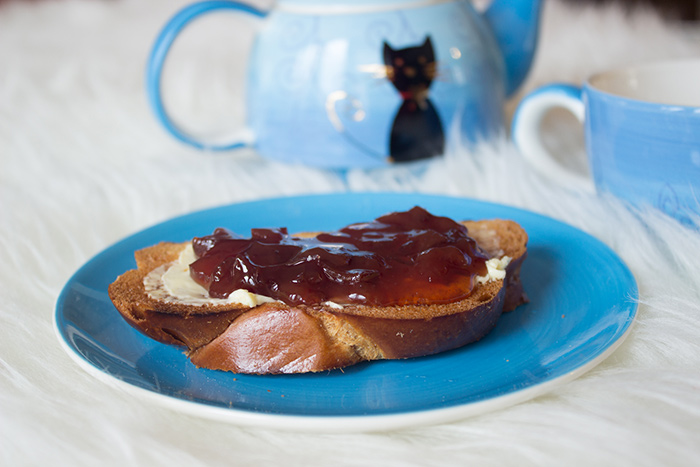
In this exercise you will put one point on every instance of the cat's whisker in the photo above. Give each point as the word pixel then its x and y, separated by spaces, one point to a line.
pixel 442 73
pixel 376 70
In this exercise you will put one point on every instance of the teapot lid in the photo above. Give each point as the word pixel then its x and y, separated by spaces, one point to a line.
pixel 351 6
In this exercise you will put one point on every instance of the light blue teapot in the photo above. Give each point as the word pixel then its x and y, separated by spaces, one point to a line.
pixel 365 83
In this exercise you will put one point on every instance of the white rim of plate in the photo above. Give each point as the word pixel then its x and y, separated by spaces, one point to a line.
pixel 342 423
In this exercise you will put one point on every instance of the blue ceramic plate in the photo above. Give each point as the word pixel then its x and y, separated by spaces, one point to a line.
pixel 582 303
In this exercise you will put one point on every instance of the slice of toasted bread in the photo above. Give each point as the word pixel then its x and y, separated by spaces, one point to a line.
pixel 278 338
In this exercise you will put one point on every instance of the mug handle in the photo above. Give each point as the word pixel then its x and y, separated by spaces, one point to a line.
pixel 154 71
pixel 526 131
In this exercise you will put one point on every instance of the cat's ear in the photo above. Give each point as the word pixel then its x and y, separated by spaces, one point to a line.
pixel 427 48
pixel 388 53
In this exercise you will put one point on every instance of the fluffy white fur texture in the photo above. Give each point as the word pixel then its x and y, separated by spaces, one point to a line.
pixel 84 164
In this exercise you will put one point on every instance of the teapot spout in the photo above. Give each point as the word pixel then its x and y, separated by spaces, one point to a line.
pixel 515 24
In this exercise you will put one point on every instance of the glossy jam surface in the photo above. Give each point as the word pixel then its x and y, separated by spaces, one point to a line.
pixel 401 258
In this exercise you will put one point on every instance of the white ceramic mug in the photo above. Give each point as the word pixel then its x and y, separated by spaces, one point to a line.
pixel 642 132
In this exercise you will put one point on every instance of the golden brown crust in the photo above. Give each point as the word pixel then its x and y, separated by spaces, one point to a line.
pixel 406 338
pixel 276 338
pixel 254 343
pixel 499 237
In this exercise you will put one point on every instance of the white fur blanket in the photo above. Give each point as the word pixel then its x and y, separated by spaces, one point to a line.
pixel 83 164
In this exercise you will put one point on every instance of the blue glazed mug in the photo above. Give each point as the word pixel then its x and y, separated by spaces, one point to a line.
pixel 642 134
pixel 364 83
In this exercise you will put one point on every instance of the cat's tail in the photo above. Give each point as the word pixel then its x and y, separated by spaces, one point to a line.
pixel 358 114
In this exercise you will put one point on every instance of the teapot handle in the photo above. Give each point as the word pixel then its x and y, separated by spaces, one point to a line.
pixel 526 131
pixel 154 71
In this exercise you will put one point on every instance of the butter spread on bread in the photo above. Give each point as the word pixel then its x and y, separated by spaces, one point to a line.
pixel 172 283
pixel 249 332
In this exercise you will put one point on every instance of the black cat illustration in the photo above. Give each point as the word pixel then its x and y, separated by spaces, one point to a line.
pixel 417 131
